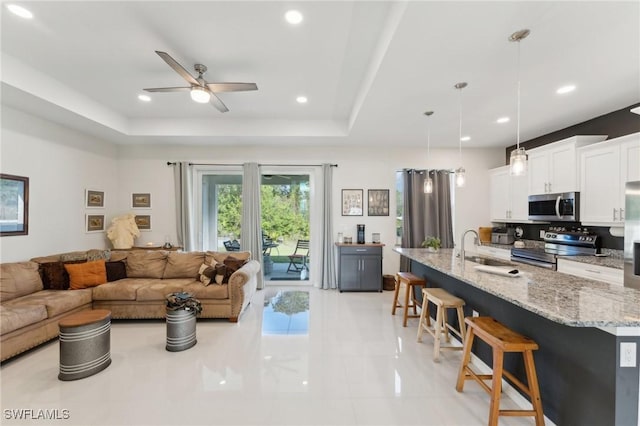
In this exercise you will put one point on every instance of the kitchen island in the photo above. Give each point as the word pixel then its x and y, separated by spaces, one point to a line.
pixel 579 325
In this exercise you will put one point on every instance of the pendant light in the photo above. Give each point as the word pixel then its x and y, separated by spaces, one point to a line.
pixel 460 178
pixel 518 160
pixel 428 182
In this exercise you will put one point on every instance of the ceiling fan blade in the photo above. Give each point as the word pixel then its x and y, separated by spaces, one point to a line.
pixel 177 67
pixel 232 87
pixel 216 102
pixel 168 89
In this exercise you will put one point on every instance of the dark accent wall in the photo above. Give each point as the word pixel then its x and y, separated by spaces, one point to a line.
pixel 614 124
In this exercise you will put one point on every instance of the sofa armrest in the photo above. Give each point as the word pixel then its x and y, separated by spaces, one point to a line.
pixel 244 274
pixel 242 285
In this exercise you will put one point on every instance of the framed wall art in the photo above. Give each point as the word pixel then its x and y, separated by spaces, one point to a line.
pixel 94 199
pixel 94 223
pixel 141 200
pixel 143 222
pixel 352 202
pixel 14 205
pixel 378 202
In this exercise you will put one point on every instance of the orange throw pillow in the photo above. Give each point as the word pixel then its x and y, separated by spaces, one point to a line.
pixel 85 275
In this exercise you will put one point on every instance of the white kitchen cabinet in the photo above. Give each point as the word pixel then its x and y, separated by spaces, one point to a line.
pixel 553 168
pixel 591 272
pixel 508 196
pixel 605 168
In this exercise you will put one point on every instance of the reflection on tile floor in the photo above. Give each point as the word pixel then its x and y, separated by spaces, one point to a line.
pixel 285 312
pixel 355 365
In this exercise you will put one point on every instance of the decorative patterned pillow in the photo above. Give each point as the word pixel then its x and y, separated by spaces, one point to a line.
pixel 232 264
pixel 209 274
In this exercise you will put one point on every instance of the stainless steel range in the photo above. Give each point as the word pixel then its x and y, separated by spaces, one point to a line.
pixel 558 243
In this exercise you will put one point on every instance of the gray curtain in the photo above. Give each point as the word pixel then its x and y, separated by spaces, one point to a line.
pixel 426 214
pixel 183 181
pixel 251 226
pixel 328 261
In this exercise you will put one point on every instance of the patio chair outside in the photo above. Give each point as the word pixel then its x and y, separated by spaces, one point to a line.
pixel 298 260
pixel 231 245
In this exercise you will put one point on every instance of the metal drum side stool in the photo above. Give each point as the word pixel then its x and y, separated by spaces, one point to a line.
pixel 85 344
pixel 181 330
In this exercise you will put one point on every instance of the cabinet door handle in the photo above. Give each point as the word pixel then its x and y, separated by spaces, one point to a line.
pixel 545 187
pixel 615 214
pixel 361 249
pixel 621 213
pixel 593 271
pixel 549 186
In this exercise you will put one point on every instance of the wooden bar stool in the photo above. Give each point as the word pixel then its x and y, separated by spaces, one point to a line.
pixel 443 301
pixel 501 339
pixel 410 281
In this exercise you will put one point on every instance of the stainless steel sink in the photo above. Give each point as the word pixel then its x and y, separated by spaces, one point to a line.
pixel 488 261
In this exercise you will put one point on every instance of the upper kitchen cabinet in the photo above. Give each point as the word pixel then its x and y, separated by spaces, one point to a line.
pixel 604 169
pixel 553 167
pixel 508 196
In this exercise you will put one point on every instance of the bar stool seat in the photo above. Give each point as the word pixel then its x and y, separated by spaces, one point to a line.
pixel 410 281
pixel 443 301
pixel 501 339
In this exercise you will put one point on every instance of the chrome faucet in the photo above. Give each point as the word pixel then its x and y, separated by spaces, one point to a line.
pixel 476 241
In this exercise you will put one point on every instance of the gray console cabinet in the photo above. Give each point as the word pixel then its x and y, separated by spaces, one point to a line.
pixel 359 267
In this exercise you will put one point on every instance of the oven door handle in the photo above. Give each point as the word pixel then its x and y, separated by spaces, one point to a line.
pixel 558 206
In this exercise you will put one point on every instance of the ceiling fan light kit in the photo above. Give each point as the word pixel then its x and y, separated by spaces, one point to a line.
pixel 200 90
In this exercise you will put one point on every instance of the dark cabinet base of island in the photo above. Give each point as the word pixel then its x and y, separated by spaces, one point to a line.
pixel 581 381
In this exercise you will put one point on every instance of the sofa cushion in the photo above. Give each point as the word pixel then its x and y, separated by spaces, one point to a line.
pixel 119 255
pixel 85 275
pixel 56 302
pixel 212 274
pixel 159 290
pixel 15 317
pixel 18 279
pixel 146 264
pixel 54 276
pixel 122 289
pixel 220 256
pixel 183 265
pixel 232 265
pixel 116 271
pixel 199 291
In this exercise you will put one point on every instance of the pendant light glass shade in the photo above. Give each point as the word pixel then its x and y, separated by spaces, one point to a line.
pixel 460 172
pixel 428 182
pixel 518 160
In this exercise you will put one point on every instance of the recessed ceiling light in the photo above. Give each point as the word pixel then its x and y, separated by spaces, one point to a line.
pixel 293 17
pixel 144 98
pixel 465 138
pixel 503 120
pixel 566 89
pixel 301 99
pixel 20 11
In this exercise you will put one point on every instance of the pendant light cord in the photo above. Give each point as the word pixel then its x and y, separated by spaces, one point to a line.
pixel 460 127
pixel 518 109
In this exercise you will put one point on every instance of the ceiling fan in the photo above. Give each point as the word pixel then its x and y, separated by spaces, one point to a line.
pixel 201 90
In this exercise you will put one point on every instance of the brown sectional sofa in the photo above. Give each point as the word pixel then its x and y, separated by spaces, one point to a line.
pixel 29 312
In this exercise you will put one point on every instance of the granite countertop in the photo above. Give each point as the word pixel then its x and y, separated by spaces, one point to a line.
pixel 561 298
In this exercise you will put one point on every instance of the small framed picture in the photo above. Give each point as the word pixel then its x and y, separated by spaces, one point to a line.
pixel 94 199
pixel 378 202
pixel 141 200
pixel 143 222
pixel 14 205
pixel 352 202
pixel 94 223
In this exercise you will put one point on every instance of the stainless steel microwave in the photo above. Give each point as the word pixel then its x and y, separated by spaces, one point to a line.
pixel 562 207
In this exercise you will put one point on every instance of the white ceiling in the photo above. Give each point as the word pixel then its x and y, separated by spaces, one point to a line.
pixel 369 69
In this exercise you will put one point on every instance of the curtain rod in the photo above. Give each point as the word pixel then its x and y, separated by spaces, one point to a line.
pixel 173 163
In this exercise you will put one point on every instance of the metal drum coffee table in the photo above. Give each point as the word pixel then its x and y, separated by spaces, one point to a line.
pixel 181 330
pixel 85 344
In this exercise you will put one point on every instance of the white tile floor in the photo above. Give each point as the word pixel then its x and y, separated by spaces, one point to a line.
pixel 356 366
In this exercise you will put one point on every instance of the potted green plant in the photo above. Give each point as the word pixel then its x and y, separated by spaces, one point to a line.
pixel 431 243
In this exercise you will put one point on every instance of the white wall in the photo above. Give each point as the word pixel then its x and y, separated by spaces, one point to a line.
pixel 144 169
pixel 60 164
